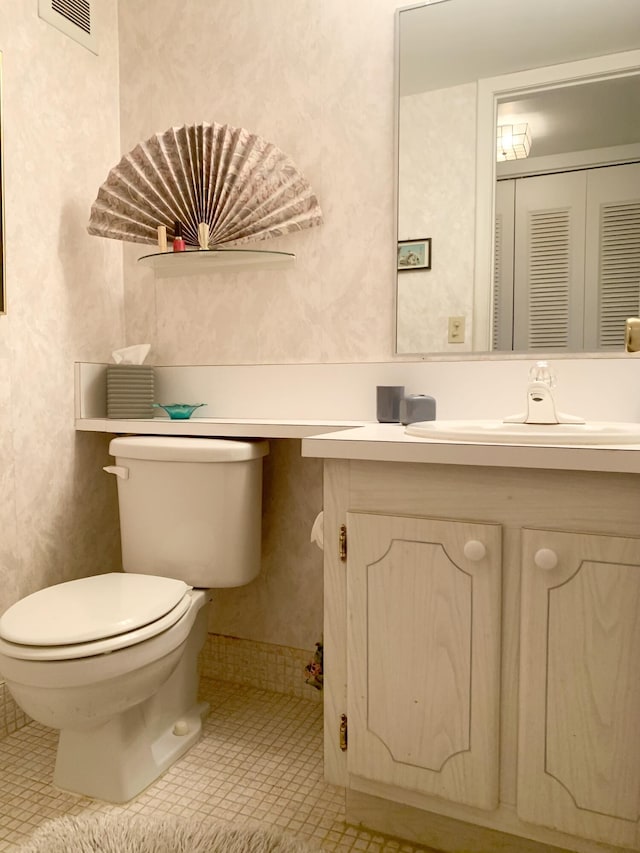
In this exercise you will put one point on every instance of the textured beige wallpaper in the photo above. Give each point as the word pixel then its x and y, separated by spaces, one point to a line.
pixel 283 604
pixel 64 297
pixel 316 79
pixel 437 174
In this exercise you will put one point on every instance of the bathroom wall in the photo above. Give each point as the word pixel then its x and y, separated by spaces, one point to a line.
pixel 64 298
pixel 429 204
pixel 316 79
pixel 284 604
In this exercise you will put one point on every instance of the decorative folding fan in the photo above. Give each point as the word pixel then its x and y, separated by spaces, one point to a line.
pixel 242 186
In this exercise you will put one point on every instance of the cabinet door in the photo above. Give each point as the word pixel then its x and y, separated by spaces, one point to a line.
pixel 612 261
pixel 579 740
pixel 423 661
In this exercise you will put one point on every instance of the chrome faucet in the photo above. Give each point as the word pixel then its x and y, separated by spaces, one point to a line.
pixel 541 405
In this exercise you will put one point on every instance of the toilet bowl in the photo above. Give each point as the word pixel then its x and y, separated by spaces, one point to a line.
pixel 125 704
pixel 111 660
pixel 48 661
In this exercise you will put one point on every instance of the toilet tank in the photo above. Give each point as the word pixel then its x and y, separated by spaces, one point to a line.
pixel 190 508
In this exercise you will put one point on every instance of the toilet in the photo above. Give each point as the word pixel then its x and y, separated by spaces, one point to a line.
pixel 111 660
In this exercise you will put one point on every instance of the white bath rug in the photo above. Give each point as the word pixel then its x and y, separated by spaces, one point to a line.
pixel 122 834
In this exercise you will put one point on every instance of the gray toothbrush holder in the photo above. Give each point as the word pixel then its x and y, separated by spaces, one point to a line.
pixel 388 398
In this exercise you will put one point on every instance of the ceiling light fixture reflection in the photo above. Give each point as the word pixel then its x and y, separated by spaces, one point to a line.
pixel 513 142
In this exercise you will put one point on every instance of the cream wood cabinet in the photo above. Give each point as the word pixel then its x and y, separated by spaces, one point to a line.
pixel 579 745
pixel 482 638
pixel 424 654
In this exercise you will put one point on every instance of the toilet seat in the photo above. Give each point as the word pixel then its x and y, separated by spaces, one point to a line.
pixel 92 616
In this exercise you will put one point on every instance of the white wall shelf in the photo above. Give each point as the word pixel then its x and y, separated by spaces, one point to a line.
pixel 214 427
pixel 202 261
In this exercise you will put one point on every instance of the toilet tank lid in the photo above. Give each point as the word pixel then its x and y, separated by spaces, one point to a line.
pixel 90 609
pixel 186 449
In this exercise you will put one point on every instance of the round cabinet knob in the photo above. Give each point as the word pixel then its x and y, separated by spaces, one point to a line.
pixel 474 550
pixel 546 559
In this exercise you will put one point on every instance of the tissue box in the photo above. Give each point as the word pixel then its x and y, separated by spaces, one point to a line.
pixel 416 408
pixel 130 391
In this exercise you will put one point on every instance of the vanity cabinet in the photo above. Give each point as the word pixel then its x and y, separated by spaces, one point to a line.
pixel 482 637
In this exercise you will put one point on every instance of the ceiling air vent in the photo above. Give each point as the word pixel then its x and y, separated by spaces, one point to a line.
pixel 73 18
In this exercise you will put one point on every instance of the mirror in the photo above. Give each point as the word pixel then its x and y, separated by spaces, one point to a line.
pixel 2 289
pixel 462 69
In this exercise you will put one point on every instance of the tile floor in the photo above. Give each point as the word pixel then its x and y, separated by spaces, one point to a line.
pixel 260 759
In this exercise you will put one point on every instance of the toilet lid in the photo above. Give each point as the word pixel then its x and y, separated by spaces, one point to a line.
pixel 90 609
pixel 72 651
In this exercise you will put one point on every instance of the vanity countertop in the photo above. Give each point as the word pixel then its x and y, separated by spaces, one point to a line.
pixel 382 443
pixel 390 443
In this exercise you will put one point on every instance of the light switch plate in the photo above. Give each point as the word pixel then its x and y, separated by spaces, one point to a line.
pixel 456 330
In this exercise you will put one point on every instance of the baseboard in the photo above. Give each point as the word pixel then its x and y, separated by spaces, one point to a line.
pixel 263 665
pixel 452 835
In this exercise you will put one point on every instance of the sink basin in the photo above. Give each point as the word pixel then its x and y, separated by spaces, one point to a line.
pixel 498 432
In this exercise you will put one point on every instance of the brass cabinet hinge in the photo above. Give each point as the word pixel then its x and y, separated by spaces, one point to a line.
pixel 343 732
pixel 342 542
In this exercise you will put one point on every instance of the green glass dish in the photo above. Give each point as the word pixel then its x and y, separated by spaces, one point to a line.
pixel 179 411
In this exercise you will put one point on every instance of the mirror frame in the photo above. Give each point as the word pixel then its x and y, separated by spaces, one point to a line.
pixel 3 302
pixel 490 91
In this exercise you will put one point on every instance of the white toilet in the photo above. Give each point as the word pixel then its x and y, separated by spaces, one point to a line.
pixel 111 660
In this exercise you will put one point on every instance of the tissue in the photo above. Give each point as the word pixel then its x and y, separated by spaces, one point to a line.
pixel 131 355
pixel 317 531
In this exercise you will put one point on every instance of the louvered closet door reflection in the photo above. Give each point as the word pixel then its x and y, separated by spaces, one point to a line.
pixel 612 268
pixel 549 262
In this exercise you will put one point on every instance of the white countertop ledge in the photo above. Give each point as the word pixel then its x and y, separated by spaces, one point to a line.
pixel 383 443
pixel 215 427
pixel 390 443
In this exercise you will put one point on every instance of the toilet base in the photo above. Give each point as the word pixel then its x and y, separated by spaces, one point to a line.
pixel 120 759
